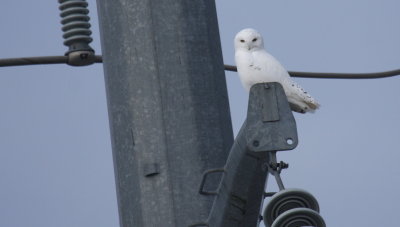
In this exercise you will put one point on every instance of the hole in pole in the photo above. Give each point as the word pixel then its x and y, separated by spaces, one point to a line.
pixel 289 141
pixel 256 143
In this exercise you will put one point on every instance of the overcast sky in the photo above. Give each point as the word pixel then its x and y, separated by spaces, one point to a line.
pixel 55 153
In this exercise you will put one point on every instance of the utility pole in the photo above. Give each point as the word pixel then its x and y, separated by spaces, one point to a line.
pixel 168 107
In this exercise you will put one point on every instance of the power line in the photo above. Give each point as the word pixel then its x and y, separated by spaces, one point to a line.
pixel 33 61
pixel 98 59
pixel 375 75
pixel 40 60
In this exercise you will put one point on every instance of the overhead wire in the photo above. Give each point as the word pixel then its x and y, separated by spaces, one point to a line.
pixel 98 59
pixel 40 60
pixel 323 75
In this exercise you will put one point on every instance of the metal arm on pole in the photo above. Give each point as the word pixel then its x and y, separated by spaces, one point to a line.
pixel 268 127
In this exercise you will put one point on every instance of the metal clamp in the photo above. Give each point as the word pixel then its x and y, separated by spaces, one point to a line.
pixel 275 168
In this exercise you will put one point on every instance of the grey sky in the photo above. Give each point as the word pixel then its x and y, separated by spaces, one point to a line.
pixel 55 153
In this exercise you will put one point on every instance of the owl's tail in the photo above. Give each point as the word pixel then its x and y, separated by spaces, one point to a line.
pixel 303 107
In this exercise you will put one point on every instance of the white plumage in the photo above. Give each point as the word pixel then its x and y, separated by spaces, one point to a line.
pixel 255 65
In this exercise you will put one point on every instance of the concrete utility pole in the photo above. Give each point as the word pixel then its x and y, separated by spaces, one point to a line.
pixel 168 107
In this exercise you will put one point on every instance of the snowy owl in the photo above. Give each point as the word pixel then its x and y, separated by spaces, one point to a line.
pixel 255 65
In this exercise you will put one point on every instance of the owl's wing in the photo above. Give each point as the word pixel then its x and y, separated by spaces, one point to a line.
pixel 298 97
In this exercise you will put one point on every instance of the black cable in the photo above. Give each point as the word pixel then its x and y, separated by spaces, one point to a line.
pixel 334 75
pixel 33 61
pixel 98 59
pixel 40 60
pixel 346 75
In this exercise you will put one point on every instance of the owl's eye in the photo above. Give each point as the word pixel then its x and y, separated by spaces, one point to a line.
pixel 242 40
pixel 255 39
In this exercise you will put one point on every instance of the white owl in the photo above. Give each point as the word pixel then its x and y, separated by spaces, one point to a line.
pixel 255 65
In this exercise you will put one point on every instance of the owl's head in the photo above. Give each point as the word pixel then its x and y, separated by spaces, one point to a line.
pixel 248 39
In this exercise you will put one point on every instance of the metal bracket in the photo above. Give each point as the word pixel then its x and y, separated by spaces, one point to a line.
pixel 203 182
pixel 270 125
pixel 275 169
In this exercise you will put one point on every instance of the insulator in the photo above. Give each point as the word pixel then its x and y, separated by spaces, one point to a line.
pixel 76 28
pixel 299 217
pixel 286 200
